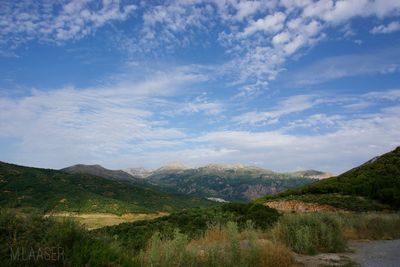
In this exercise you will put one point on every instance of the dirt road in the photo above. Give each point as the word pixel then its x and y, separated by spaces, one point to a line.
pixel 382 253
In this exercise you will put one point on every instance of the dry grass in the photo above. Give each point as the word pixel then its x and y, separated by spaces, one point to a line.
pixel 371 226
pixel 219 246
pixel 97 220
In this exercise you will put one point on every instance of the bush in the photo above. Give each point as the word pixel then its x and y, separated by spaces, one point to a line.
pixel 310 233
pixel 262 216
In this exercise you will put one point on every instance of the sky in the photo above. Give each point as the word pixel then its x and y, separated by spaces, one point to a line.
pixel 285 85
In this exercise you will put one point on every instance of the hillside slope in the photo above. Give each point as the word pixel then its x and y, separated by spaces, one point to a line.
pixel 230 182
pixel 100 171
pixel 52 190
pixel 373 185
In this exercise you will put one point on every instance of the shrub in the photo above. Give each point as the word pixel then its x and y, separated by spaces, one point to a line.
pixel 310 233
pixel 262 216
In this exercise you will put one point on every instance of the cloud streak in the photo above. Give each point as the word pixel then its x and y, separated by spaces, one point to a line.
pixel 337 67
pixel 290 105
pixel 92 123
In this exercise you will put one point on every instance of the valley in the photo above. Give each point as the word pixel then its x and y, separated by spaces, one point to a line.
pixel 112 218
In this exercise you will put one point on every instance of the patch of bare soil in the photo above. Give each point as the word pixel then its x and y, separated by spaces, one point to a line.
pixel 324 259
pixel 299 206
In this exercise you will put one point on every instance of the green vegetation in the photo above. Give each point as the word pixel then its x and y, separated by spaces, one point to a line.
pixel 50 190
pixel 346 202
pixel 374 185
pixel 219 247
pixel 231 234
pixel 222 243
pixel 310 233
pixel 24 234
pixel 100 171
pixel 371 226
pixel 193 223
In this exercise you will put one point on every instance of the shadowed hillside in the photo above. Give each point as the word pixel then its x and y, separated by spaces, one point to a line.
pixel 51 190
pixel 100 171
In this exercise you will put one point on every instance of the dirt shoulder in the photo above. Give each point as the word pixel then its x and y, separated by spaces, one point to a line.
pixel 385 253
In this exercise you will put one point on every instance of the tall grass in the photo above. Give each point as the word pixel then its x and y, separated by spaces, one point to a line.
pixel 309 233
pixel 219 246
pixel 372 226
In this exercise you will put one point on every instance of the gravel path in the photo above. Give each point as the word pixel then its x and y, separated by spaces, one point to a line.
pixel 382 253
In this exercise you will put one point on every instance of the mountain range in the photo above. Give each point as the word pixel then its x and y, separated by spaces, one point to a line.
pixel 374 185
pixel 215 181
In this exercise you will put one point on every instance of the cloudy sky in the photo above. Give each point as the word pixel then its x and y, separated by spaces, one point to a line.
pixel 286 85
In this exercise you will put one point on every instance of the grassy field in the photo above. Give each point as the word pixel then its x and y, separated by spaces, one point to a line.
pixel 97 220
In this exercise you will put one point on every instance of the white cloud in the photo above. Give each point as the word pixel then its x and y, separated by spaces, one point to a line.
pixel 119 127
pixel 201 104
pixel 336 12
pixel 270 24
pixel 376 62
pixel 353 142
pixel 316 121
pixel 55 21
pixel 290 105
pixel 258 36
pixel 68 125
pixel 391 95
pixel 247 8
pixel 391 27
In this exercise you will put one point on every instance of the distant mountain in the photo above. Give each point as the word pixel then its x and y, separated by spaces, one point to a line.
pixel 141 173
pixel 229 182
pixel 370 186
pixel 51 190
pixel 313 174
pixel 100 171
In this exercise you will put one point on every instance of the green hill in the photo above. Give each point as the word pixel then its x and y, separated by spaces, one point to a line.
pixel 101 172
pixel 51 190
pixel 371 186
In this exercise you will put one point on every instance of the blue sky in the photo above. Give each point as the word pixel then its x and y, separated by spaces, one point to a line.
pixel 286 85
